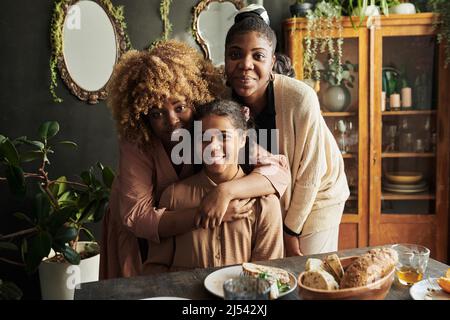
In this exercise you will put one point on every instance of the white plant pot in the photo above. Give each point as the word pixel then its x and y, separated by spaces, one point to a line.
pixel 336 98
pixel 369 11
pixel 403 8
pixel 59 280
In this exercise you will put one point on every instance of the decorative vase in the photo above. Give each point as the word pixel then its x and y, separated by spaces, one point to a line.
pixel 336 98
pixel 300 9
pixel 403 8
pixel 369 11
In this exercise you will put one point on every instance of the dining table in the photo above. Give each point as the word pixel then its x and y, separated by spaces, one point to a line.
pixel 191 284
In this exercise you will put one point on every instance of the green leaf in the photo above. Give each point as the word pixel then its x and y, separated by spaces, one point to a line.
pixel 68 143
pixel 9 291
pixel 88 211
pixel 66 234
pixel 59 217
pixel 108 176
pixel 16 180
pixel 48 129
pixel 9 152
pixel 23 216
pixel 2 138
pixel 86 176
pixel 100 210
pixel 38 144
pixel 42 208
pixel 38 248
pixel 71 255
pixel 31 156
pixel 8 246
pixel 62 185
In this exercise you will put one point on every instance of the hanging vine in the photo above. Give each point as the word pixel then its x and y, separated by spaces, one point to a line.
pixel 164 10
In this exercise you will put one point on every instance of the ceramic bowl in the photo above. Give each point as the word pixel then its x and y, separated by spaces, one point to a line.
pixel 404 177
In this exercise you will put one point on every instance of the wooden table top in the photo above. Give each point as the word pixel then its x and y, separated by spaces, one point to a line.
pixel 189 284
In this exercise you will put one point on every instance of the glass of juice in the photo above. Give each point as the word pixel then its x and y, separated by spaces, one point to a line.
pixel 412 262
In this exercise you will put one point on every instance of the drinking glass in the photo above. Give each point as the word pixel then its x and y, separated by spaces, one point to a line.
pixel 412 262
pixel 246 288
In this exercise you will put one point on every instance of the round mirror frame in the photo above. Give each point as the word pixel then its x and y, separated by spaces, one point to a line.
pixel 198 9
pixel 91 97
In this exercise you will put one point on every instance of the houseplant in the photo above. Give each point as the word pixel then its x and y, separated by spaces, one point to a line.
pixel 61 209
pixel 323 34
pixel 442 23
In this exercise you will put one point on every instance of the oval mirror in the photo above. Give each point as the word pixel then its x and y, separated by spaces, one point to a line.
pixel 92 42
pixel 212 19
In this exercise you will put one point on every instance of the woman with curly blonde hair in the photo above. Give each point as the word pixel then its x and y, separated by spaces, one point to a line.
pixel 152 94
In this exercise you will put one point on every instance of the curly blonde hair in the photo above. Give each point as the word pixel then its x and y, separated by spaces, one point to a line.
pixel 142 80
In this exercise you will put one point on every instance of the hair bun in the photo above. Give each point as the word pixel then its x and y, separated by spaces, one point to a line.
pixel 253 10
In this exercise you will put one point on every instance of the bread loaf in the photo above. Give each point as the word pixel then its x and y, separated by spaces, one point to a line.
pixel 369 267
pixel 313 264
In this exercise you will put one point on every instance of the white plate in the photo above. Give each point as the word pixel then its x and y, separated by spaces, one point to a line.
pixel 423 290
pixel 165 298
pixel 214 281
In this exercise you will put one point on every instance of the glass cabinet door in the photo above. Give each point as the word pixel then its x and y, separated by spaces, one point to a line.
pixel 409 135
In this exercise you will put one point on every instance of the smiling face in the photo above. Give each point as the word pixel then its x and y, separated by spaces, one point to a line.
pixel 175 114
pixel 221 149
pixel 249 61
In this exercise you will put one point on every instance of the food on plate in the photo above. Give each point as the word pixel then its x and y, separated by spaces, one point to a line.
pixel 278 278
pixel 320 279
pixel 369 267
pixel 444 282
pixel 329 274
pixel 334 267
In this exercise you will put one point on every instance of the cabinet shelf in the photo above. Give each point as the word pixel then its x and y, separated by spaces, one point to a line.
pixel 408 155
pixel 338 114
pixel 349 155
pixel 415 196
pixel 408 113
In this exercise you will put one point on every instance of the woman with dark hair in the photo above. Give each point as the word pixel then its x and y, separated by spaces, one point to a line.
pixel 153 94
pixel 257 237
pixel 314 203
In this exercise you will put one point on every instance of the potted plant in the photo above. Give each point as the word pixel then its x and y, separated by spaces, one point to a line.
pixel 339 78
pixel 442 24
pixel 323 34
pixel 300 8
pixel 61 210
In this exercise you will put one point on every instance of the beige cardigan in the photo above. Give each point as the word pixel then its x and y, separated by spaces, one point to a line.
pixel 317 167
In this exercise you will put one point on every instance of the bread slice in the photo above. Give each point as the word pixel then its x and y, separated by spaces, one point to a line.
pixel 333 265
pixel 313 264
pixel 319 279
pixel 272 274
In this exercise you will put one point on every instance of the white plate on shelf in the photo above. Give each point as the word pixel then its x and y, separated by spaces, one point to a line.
pixel 428 290
pixel 214 281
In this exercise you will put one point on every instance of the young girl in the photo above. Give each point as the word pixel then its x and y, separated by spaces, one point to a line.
pixel 257 237
pixel 314 203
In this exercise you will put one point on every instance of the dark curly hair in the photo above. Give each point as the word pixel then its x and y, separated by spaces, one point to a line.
pixel 251 23
pixel 142 80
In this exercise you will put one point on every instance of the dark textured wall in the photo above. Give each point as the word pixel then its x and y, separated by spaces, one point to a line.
pixel 25 101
